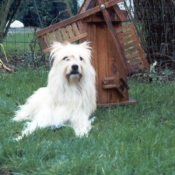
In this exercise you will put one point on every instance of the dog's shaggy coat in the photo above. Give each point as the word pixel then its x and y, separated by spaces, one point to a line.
pixel 70 95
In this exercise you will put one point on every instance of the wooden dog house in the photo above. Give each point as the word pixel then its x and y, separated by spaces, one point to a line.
pixel 116 50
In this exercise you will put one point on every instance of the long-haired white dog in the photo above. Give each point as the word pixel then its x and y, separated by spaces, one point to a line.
pixel 70 95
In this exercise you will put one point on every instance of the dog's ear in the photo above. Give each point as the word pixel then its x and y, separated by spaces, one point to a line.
pixel 56 46
pixel 86 45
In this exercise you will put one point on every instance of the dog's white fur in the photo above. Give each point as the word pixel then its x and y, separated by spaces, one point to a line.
pixel 70 95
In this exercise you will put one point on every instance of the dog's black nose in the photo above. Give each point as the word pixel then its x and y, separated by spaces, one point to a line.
pixel 74 67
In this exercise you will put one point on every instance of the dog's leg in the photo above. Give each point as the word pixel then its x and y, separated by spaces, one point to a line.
pixel 31 127
pixel 22 114
pixel 82 126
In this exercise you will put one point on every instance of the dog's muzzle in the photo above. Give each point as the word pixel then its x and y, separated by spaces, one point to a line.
pixel 75 72
pixel 74 69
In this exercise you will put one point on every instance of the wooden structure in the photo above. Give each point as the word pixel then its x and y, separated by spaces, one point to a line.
pixel 116 48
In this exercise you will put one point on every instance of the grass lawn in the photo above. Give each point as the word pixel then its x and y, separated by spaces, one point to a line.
pixel 129 140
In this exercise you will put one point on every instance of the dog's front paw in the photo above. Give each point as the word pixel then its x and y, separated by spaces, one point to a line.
pixel 82 131
pixel 18 138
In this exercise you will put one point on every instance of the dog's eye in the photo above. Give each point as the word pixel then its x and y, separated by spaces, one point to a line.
pixel 81 58
pixel 65 58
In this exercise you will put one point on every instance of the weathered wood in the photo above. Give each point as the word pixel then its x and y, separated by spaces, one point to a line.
pixel 52 36
pixel 114 35
pixel 132 49
pixel 109 86
pixel 69 30
pixel 120 13
pixel 75 29
pixel 58 34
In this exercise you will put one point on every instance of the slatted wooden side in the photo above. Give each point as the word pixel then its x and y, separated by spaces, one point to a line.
pixel 71 33
pixel 68 30
pixel 132 49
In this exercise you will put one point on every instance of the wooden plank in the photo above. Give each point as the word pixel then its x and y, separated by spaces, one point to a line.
pixel 75 29
pixel 52 36
pixel 69 30
pixel 47 50
pixel 80 26
pixel 120 13
pixel 139 47
pixel 123 29
pixel 138 67
pixel 113 68
pixel 135 63
pixel 133 56
pixel 84 35
pixel 42 44
pixel 130 51
pixel 92 36
pixel 109 79
pixel 129 45
pixel 58 34
pixel 46 39
pixel 125 40
pixel 109 86
pixel 114 36
pixel 124 34
pixel 102 60
pixel 75 18
pixel 63 31
pixel 79 37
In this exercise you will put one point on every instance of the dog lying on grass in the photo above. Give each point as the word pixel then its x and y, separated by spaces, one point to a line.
pixel 70 96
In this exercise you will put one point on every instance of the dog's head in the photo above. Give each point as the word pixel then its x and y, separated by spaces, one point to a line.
pixel 71 60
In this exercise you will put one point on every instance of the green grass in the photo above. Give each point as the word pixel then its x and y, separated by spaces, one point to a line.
pixel 128 140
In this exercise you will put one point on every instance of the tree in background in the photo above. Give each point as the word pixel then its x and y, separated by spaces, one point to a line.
pixel 50 12
pixel 157 18
pixel 8 9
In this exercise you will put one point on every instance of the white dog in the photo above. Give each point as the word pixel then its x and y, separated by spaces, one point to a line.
pixel 70 96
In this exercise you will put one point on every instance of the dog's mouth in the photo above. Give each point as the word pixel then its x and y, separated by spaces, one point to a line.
pixel 74 72
pixel 74 75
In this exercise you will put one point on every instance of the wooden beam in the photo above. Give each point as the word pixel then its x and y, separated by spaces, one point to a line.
pixel 119 49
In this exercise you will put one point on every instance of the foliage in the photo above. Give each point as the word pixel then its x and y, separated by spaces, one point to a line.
pixel 137 139
pixel 48 11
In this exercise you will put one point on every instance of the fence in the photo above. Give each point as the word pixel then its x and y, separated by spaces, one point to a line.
pixel 154 21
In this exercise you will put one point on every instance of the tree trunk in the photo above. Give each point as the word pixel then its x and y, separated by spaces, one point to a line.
pixel 8 9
